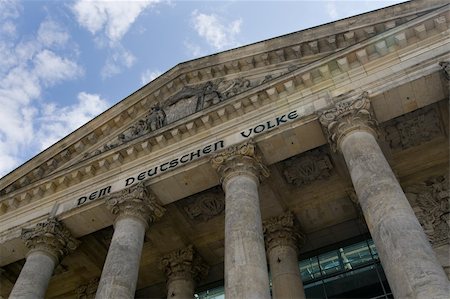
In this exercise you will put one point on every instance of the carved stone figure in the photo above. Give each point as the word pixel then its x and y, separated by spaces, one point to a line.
pixel 209 96
pixel 430 202
pixel 155 119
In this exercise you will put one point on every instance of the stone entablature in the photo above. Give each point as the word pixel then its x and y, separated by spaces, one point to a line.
pixel 308 80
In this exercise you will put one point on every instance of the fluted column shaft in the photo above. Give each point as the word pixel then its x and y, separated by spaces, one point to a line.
pixel 282 240
pixel 246 273
pixel 135 207
pixel 49 242
pixel 411 266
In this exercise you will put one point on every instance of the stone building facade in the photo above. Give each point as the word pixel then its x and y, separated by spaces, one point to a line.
pixel 228 170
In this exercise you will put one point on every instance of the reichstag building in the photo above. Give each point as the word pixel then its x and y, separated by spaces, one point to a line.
pixel 311 165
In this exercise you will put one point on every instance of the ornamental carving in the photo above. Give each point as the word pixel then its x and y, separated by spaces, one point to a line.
pixel 185 264
pixel 430 202
pixel 50 236
pixel 135 201
pixel 88 290
pixel 413 128
pixel 345 117
pixel 283 230
pixel 205 205
pixel 239 159
pixel 307 168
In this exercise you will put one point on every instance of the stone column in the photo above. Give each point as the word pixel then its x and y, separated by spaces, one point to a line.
pixel 183 268
pixel 283 237
pixel 246 275
pixel 135 208
pixel 48 242
pixel 406 255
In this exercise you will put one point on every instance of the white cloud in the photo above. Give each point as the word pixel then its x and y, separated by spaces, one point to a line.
pixel 115 62
pixel 51 68
pixel 56 122
pixel 332 10
pixel 112 18
pixel 150 75
pixel 10 9
pixel 27 67
pixel 215 31
pixel 50 33
pixel 109 21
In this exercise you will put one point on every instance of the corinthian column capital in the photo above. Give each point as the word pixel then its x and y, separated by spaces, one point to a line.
pixel 135 201
pixel 283 230
pixel 347 116
pixel 239 159
pixel 51 237
pixel 184 264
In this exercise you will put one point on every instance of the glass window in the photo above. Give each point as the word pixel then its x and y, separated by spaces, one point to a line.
pixel 373 249
pixel 309 269
pixel 330 262
pixel 355 255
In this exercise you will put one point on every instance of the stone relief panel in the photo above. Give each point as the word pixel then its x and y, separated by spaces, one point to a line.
pixel 430 202
pixel 307 167
pixel 413 128
pixel 88 290
pixel 187 101
pixel 203 206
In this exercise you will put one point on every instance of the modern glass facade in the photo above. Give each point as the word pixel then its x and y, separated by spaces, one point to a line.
pixel 352 271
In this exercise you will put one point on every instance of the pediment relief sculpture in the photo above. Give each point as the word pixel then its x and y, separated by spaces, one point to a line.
pixel 187 101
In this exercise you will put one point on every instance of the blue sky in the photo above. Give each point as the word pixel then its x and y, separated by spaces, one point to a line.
pixel 64 62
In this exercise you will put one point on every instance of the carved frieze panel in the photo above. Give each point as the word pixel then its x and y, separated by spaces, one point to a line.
pixel 430 202
pixel 307 167
pixel 204 206
pixel 413 129
pixel 88 290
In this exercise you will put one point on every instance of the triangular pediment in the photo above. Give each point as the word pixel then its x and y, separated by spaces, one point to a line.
pixel 196 93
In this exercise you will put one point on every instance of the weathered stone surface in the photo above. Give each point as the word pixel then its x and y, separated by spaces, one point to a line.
pixel 204 206
pixel 283 238
pixel 120 272
pixel 413 128
pixel 48 242
pixel 246 273
pixel 405 253
pixel 430 202
pixel 135 201
pixel 347 116
pixel 135 207
pixel 34 277
pixel 307 168
pixel 88 290
pixel 183 269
